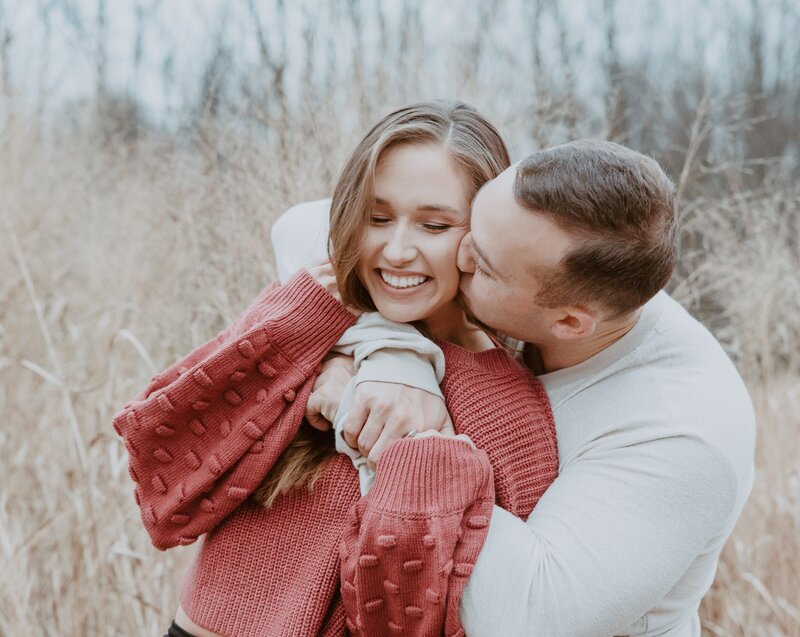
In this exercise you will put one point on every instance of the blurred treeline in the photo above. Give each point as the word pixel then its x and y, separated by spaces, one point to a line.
pixel 697 84
pixel 277 92
pixel 273 94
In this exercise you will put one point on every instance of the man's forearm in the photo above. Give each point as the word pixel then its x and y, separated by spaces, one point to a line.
pixel 605 544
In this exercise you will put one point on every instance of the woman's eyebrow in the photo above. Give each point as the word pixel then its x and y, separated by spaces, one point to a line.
pixel 428 207
pixel 436 207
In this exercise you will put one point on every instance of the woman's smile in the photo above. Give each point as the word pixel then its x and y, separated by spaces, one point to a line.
pixel 399 282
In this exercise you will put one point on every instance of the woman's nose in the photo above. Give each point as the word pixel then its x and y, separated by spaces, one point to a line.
pixel 465 260
pixel 399 248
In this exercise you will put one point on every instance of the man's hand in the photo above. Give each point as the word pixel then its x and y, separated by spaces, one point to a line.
pixel 327 392
pixel 384 412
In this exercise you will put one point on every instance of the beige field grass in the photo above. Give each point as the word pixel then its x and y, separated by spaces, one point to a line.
pixel 116 258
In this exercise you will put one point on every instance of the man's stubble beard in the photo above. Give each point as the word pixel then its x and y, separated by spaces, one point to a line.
pixel 530 356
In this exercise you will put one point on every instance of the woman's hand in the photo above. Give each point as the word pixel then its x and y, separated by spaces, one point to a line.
pixel 327 391
pixel 322 272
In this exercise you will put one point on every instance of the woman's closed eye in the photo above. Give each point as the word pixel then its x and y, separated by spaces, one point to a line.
pixel 435 227
pixel 380 220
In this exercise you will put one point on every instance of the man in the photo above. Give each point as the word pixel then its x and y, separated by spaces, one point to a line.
pixel 655 427
pixel 568 252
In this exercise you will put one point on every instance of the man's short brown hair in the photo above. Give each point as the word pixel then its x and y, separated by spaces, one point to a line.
pixel 621 207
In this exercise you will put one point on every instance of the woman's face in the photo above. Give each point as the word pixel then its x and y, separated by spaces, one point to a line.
pixel 408 252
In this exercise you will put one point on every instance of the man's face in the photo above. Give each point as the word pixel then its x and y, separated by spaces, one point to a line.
pixel 503 260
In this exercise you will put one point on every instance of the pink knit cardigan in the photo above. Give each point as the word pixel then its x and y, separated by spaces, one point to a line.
pixel 203 434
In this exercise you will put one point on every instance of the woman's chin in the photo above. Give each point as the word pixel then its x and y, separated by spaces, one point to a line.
pixel 430 312
pixel 400 314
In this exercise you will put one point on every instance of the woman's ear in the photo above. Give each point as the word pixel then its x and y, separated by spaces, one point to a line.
pixel 575 322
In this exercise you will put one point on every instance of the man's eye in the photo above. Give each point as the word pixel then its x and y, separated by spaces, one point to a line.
pixel 434 227
pixel 479 269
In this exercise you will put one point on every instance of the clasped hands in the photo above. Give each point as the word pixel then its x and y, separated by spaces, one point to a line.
pixel 381 412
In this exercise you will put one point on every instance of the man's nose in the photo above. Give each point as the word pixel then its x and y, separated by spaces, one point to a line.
pixel 399 248
pixel 466 255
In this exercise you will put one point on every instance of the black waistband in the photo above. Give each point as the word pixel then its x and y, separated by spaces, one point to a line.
pixel 177 631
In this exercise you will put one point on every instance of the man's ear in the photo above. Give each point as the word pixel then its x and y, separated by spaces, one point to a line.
pixel 574 323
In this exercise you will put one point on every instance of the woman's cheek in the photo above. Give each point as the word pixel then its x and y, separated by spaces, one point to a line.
pixel 447 254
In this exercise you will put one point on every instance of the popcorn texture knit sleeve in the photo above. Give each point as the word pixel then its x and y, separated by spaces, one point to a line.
pixel 203 434
pixel 415 537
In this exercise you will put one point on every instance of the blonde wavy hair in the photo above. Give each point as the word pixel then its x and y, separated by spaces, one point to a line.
pixel 474 144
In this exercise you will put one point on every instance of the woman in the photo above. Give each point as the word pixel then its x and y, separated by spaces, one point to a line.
pixel 222 424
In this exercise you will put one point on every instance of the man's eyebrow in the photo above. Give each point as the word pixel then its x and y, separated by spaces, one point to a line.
pixel 483 256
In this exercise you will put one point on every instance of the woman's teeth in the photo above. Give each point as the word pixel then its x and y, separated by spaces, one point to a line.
pixel 401 282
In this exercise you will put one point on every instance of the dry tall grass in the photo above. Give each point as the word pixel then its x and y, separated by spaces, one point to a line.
pixel 117 257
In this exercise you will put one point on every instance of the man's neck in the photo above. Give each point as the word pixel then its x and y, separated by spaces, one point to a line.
pixel 560 354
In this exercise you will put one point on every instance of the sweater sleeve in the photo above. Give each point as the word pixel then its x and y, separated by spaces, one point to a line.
pixel 203 434
pixel 391 352
pixel 414 539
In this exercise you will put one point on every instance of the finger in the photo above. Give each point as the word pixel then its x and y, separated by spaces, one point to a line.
pixel 466 438
pixel 319 382
pixel 338 360
pixel 354 421
pixel 448 429
pixel 318 422
pixel 329 409
pixel 324 280
pixel 314 416
pixel 313 405
pixel 386 438
pixel 331 287
pixel 370 432
pixel 429 433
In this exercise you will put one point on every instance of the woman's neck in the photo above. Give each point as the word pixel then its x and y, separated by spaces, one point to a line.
pixel 450 324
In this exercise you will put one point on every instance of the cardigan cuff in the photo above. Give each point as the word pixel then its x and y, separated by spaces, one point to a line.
pixel 434 475
pixel 303 319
